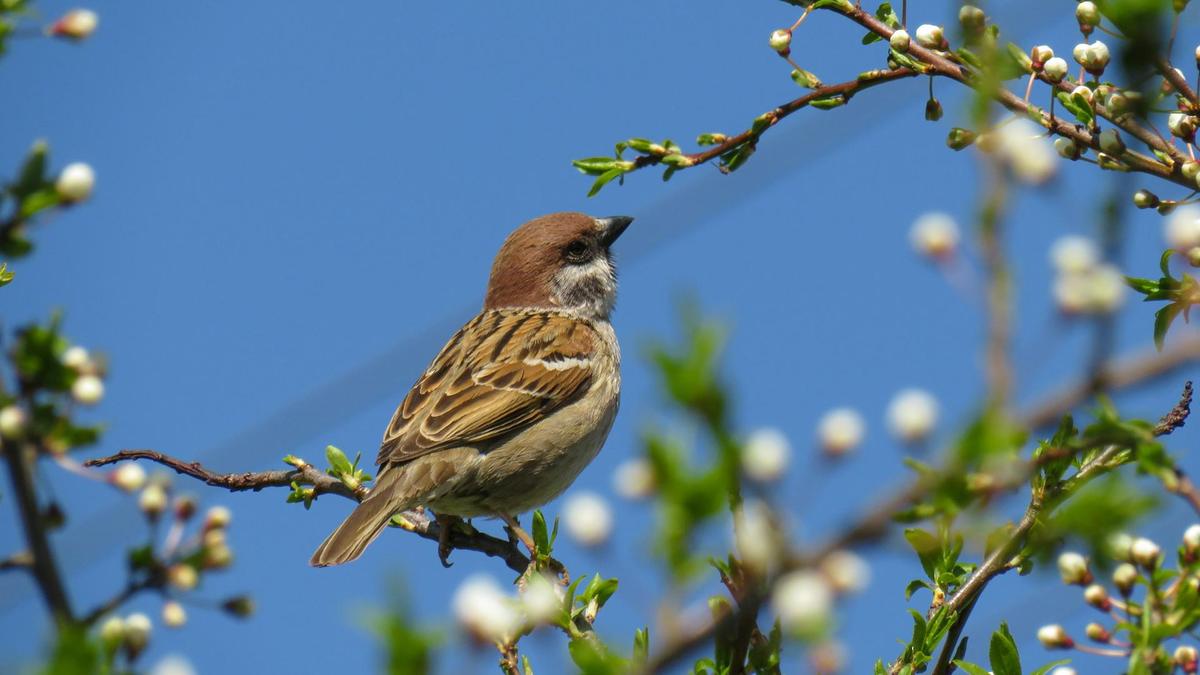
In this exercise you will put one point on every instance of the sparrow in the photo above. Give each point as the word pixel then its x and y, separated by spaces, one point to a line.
pixel 518 401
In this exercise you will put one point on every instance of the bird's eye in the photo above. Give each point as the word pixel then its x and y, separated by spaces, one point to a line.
pixel 577 251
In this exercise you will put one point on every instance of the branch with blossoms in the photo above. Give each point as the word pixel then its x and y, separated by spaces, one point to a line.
pixel 1091 119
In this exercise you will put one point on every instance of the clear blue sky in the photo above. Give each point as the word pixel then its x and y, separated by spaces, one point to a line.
pixel 297 203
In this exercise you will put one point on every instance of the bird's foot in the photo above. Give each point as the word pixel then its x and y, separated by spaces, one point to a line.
pixel 515 534
pixel 446 525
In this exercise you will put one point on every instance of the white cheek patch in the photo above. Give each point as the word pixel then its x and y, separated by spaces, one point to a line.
pixel 590 289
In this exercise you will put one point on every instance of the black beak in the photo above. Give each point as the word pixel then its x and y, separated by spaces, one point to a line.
pixel 612 227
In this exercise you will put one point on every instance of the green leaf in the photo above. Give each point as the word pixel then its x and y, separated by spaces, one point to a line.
pixel 1002 652
pixel 595 166
pixel 971 668
pixel 1078 106
pixel 6 276
pixel 338 464
pixel 928 549
pixel 32 176
pixel 603 180
pixel 541 537
pixel 828 102
pixel 1162 322
pixel 1053 664
pixel 805 79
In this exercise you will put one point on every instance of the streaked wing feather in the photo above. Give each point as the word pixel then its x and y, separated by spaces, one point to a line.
pixel 504 370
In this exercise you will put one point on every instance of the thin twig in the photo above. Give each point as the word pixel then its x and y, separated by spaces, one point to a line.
pixel 416 522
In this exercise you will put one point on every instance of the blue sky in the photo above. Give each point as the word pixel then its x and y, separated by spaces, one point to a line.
pixel 296 205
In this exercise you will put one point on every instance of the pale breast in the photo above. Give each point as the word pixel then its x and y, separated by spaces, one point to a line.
pixel 538 463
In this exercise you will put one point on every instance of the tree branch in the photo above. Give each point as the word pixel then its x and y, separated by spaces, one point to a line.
pixel 44 566
pixel 414 521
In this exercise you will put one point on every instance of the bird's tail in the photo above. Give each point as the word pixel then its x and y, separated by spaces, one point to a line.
pixel 364 524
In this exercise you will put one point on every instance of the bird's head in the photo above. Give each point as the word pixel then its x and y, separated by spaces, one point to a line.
pixel 562 260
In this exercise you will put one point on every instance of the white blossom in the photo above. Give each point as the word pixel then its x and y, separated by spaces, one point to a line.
pixel 802 600
pixel 482 608
pixel 765 454
pixel 934 234
pixel 634 479
pixel 87 389
pixel 930 36
pixel 912 414
pixel 75 183
pixel 588 518
pixel 129 477
pixel 173 614
pixel 1182 228
pixel 841 430
pixel 846 571
pixel 1074 254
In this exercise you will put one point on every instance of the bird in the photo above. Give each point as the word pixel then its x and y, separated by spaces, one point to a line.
pixel 518 401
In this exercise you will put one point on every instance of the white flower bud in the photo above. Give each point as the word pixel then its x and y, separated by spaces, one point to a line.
pixel 1040 55
pixel 77 24
pixel 1097 633
pixel 153 500
pixel 1067 148
pixel 218 517
pixel 1028 153
pixel 137 633
pixel 1106 289
pixel 129 477
pixel 1145 199
pixel 87 389
pixel 846 571
pixel 217 557
pixel 1190 169
pixel 1111 142
pixel 1071 293
pixel 75 183
pixel 1182 125
pixel 756 537
pixel 13 421
pixel 1093 57
pixel 900 40
pixel 931 36
pixel 1084 91
pixel 183 576
pixel 971 18
pixel 840 430
pixel 1063 670
pixel 1193 254
pixel 1096 596
pixel 1053 636
pixel 802 601
pixel 934 234
pixel 173 614
pixel 1124 577
pixel 1087 14
pixel 781 41
pixel 1079 53
pixel 1145 552
pixel 588 518
pixel 635 479
pixel 1073 569
pixel 1186 657
pixel 1191 539
pixel 765 455
pixel 912 415
pixel 1074 254
pixel 541 600
pixel 112 632
pixel 483 609
pixel 77 358
pixel 1182 228
pixel 1055 68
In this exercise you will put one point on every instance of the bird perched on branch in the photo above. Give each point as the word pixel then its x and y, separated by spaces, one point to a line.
pixel 519 401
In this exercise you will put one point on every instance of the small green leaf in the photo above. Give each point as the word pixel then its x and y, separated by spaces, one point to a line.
pixel 6 276
pixel 1002 652
pixel 338 464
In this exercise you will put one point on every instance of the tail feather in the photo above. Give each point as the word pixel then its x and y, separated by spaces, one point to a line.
pixel 364 524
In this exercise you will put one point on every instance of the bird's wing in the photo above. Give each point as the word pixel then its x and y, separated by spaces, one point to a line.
pixel 502 371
